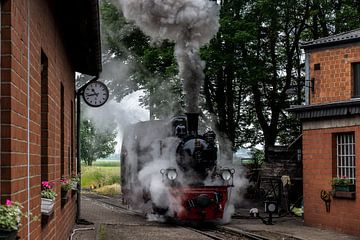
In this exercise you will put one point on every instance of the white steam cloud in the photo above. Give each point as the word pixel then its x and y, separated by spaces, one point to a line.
pixel 118 115
pixel 188 23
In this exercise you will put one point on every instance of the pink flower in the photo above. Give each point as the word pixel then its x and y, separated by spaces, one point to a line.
pixel 46 185
pixel 8 202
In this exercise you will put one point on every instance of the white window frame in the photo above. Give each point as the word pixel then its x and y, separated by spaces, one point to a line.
pixel 345 155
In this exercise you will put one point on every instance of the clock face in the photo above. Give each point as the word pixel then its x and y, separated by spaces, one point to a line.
pixel 96 94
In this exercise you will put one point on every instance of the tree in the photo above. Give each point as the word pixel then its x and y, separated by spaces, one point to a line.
pixel 224 89
pixel 149 66
pixel 279 27
pixel 251 65
pixel 95 144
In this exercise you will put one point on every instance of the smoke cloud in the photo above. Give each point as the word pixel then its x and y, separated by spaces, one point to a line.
pixel 118 115
pixel 189 24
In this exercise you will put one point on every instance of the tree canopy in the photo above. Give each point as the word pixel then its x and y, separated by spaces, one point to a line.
pixel 251 64
pixel 95 143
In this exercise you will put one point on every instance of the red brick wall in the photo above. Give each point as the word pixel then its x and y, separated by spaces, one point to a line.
pixel 344 215
pixel 333 81
pixel 44 35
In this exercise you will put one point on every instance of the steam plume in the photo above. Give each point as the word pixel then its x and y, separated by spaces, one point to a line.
pixel 188 23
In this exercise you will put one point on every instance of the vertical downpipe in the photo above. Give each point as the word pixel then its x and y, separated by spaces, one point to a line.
pixel 0 97
pixel 28 116
pixel 307 78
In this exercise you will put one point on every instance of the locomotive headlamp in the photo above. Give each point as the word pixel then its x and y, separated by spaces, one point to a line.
pixel 170 173
pixel 227 174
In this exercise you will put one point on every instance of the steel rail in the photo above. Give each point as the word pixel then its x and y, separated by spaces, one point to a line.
pixel 205 233
pixel 122 208
pixel 208 233
pixel 247 234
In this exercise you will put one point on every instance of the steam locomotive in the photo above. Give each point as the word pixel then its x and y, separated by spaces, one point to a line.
pixel 167 168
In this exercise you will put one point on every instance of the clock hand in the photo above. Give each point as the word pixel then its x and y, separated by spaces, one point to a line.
pixel 93 94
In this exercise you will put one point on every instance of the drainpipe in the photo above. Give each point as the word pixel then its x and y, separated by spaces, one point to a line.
pixel 79 93
pixel 0 100
pixel 307 78
pixel 28 116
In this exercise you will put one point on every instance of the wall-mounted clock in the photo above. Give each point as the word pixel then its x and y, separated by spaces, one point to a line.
pixel 96 94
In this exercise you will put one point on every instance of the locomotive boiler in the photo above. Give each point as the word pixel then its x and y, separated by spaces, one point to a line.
pixel 169 169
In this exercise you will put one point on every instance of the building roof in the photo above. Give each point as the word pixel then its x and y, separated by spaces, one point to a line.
pixel 342 38
pixel 80 24
pixel 337 109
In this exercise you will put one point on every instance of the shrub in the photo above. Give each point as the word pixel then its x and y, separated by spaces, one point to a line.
pixel 10 216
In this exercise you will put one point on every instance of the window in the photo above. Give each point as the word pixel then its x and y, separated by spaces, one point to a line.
pixel 62 131
pixel 356 79
pixel 72 162
pixel 44 117
pixel 317 66
pixel 345 155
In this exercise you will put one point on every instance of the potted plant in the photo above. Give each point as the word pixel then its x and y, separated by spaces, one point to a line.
pixel 75 180
pixel 48 196
pixel 10 216
pixel 65 187
pixel 343 184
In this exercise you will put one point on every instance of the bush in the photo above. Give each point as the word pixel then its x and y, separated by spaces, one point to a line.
pixel 112 180
pixel 10 216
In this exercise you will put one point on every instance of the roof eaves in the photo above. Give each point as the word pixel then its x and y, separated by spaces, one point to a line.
pixel 342 38
pixel 336 109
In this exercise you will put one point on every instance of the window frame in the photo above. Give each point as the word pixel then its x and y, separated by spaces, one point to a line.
pixel 345 155
pixel 355 79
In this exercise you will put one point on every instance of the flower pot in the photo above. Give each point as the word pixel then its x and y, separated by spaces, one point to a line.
pixel 344 188
pixel 74 186
pixel 47 206
pixel 8 235
pixel 64 195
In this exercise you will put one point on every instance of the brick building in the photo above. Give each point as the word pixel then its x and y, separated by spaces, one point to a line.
pixel 331 131
pixel 43 44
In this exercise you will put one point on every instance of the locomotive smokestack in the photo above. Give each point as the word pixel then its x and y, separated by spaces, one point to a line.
pixel 192 123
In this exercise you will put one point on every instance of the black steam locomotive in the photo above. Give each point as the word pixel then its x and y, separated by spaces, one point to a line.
pixel 169 169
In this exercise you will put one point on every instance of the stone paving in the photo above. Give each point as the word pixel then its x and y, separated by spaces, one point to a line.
pixel 109 223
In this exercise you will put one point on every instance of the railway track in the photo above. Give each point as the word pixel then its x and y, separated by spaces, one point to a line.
pixel 215 232
pixel 228 233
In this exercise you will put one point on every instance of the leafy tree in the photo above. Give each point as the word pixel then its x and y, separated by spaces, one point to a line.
pixel 224 89
pixel 150 66
pixel 251 65
pixel 95 144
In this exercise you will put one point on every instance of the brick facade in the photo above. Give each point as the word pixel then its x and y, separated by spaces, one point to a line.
pixel 332 111
pixel 333 83
pixel 318 164
pixel 29 34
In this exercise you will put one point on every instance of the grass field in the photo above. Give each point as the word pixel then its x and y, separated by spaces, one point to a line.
pixel 102 173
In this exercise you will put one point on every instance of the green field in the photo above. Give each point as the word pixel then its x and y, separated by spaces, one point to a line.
pixel 102 173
